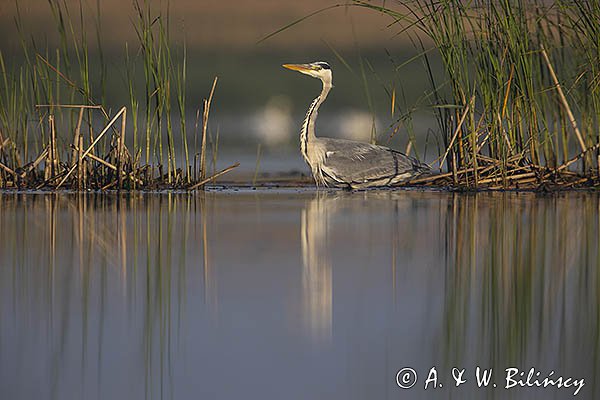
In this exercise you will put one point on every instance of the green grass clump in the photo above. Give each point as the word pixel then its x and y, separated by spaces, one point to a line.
pixel 55 128
pixel 518 102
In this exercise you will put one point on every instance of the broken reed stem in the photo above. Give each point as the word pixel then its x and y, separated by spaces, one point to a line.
pixel 206 180
pixel 74 155
pixel 454 169
pixel 3 142
pixel 504 136
pixel 89 149
pixel 7 169
pixel 52 165
pixel 204 130
pixel 474 138
pixel 462 120
pixel 408 148
pixel 54 150
pixel 80 166
pixel 432 178
pixel 563 100
pixel 578 157
pixel 67 106
pixel 509 177
pixel 120 149
pixel 96 158
pixel 109 165
pixel 38 160
pixel 203 140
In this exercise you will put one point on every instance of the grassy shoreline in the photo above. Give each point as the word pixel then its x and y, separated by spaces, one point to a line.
pixel 56 97
pixel 517 101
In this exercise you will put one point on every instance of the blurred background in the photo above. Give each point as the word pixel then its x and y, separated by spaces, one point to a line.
pixel 256 101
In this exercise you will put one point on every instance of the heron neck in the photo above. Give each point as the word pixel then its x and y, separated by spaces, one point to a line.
pixel 307 134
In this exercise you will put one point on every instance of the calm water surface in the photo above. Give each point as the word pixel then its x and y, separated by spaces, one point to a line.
pixel 296 294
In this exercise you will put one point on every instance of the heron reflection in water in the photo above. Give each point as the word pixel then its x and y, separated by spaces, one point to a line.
pixel 317 293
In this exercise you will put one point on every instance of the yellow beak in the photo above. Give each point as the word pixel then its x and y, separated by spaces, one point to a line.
pixel 298 67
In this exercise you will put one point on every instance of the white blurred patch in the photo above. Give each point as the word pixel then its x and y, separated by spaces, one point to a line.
pixel 356 125
pixel 274 123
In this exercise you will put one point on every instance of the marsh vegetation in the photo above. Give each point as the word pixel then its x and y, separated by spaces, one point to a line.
pixel 56 130
pixel 514 103
pixel 517 102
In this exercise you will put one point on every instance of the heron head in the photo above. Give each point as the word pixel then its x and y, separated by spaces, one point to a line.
pixel 319 69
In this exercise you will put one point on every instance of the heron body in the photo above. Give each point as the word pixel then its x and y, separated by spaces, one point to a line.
pixel 348 163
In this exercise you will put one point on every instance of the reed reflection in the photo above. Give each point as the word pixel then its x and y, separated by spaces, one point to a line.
pixel 523 283
pixel 110 296
pixel 104 271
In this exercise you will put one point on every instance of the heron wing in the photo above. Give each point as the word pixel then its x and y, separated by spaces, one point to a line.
pixel 357 162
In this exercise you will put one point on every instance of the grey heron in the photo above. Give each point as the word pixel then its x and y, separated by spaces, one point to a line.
pixel 348 163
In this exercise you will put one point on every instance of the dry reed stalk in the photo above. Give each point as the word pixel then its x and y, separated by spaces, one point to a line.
pixel 91 133
pixel 573 160
pixel 195 166
pixel 577 182
pixel 107 164
pixel 408 148
pixel 579 156
pixel 204 181
pixel 120 147
pixel 509 177
pixel 80 106
pixel 54 147
pixel 204 130
pixel 445 175
pixel 7 169
pixel 482 171
pixel 38 160
pixel 563 100
pixel 76 135
pixel 47 162
pixel 108 186
pixel 474 155
pixel 89 149
pixel 3 142
pixel 69 106
pixel 505 135
pixel 510 164
pixel 52 167
pixel 203 140
pixel 31 166
pixel 80 166
pixel 457 130
pixel 47 182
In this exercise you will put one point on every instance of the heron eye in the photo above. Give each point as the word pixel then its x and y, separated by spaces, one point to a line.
pixel 323 65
